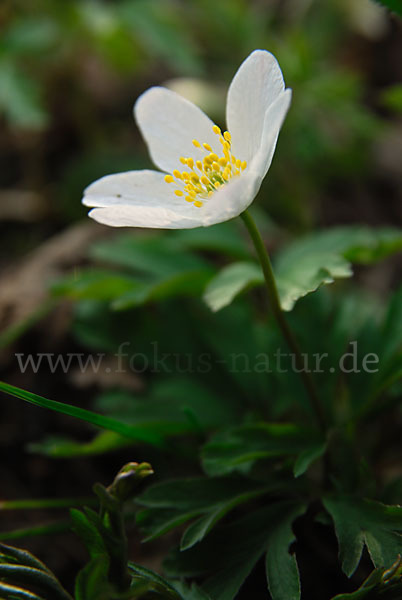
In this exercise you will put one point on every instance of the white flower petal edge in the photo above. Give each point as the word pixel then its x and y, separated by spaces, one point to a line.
pixel 138 199
pixel 273 121
pixel 256 85
pixel 168 123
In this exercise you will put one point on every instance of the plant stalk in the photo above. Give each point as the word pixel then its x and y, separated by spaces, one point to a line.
pixel 273 296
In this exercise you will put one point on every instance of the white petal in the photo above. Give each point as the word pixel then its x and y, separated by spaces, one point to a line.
pixel 145 216
pixel 254 88
pixel 144 199
pixel 132 187
pixel 274 118
pixel 231 199
pixel 139 199
pixel 168 122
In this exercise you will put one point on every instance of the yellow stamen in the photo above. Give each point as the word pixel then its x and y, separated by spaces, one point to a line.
pixel 214 171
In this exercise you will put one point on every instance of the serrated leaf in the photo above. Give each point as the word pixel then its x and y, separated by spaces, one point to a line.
pixel 307 263
pixel 360 523
pixel 281 566
pixel 173 503
pixel 228 555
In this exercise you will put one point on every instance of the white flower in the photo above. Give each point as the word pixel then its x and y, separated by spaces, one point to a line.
pixel 208 176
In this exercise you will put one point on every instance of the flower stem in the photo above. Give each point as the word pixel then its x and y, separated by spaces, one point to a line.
pixel 280 317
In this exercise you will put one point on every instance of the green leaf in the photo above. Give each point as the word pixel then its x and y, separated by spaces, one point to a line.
pixel 238 448
pixel 96 283
pixel 384 584
pixel 281 566
pixel 393 5
pixel 360 522
pixel 88 532
pixel 135 433
pixel 307 264
pixel 224 238
pixel 91 582
pixel 150 255
pixel 21 569
pixel 173 503
pixel 152 581
pixel 307 457
pixel 228 555
pixel 188 283
pixel 59 447
pixel 229 282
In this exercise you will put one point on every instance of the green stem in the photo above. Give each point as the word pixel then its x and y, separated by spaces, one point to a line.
pixel 280 318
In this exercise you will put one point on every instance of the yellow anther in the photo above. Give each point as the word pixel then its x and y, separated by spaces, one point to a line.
pixel 214 171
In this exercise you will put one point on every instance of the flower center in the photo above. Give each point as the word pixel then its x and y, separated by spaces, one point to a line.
pixel 205 176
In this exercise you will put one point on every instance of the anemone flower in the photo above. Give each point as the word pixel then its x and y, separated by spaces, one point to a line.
pixel 207 175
